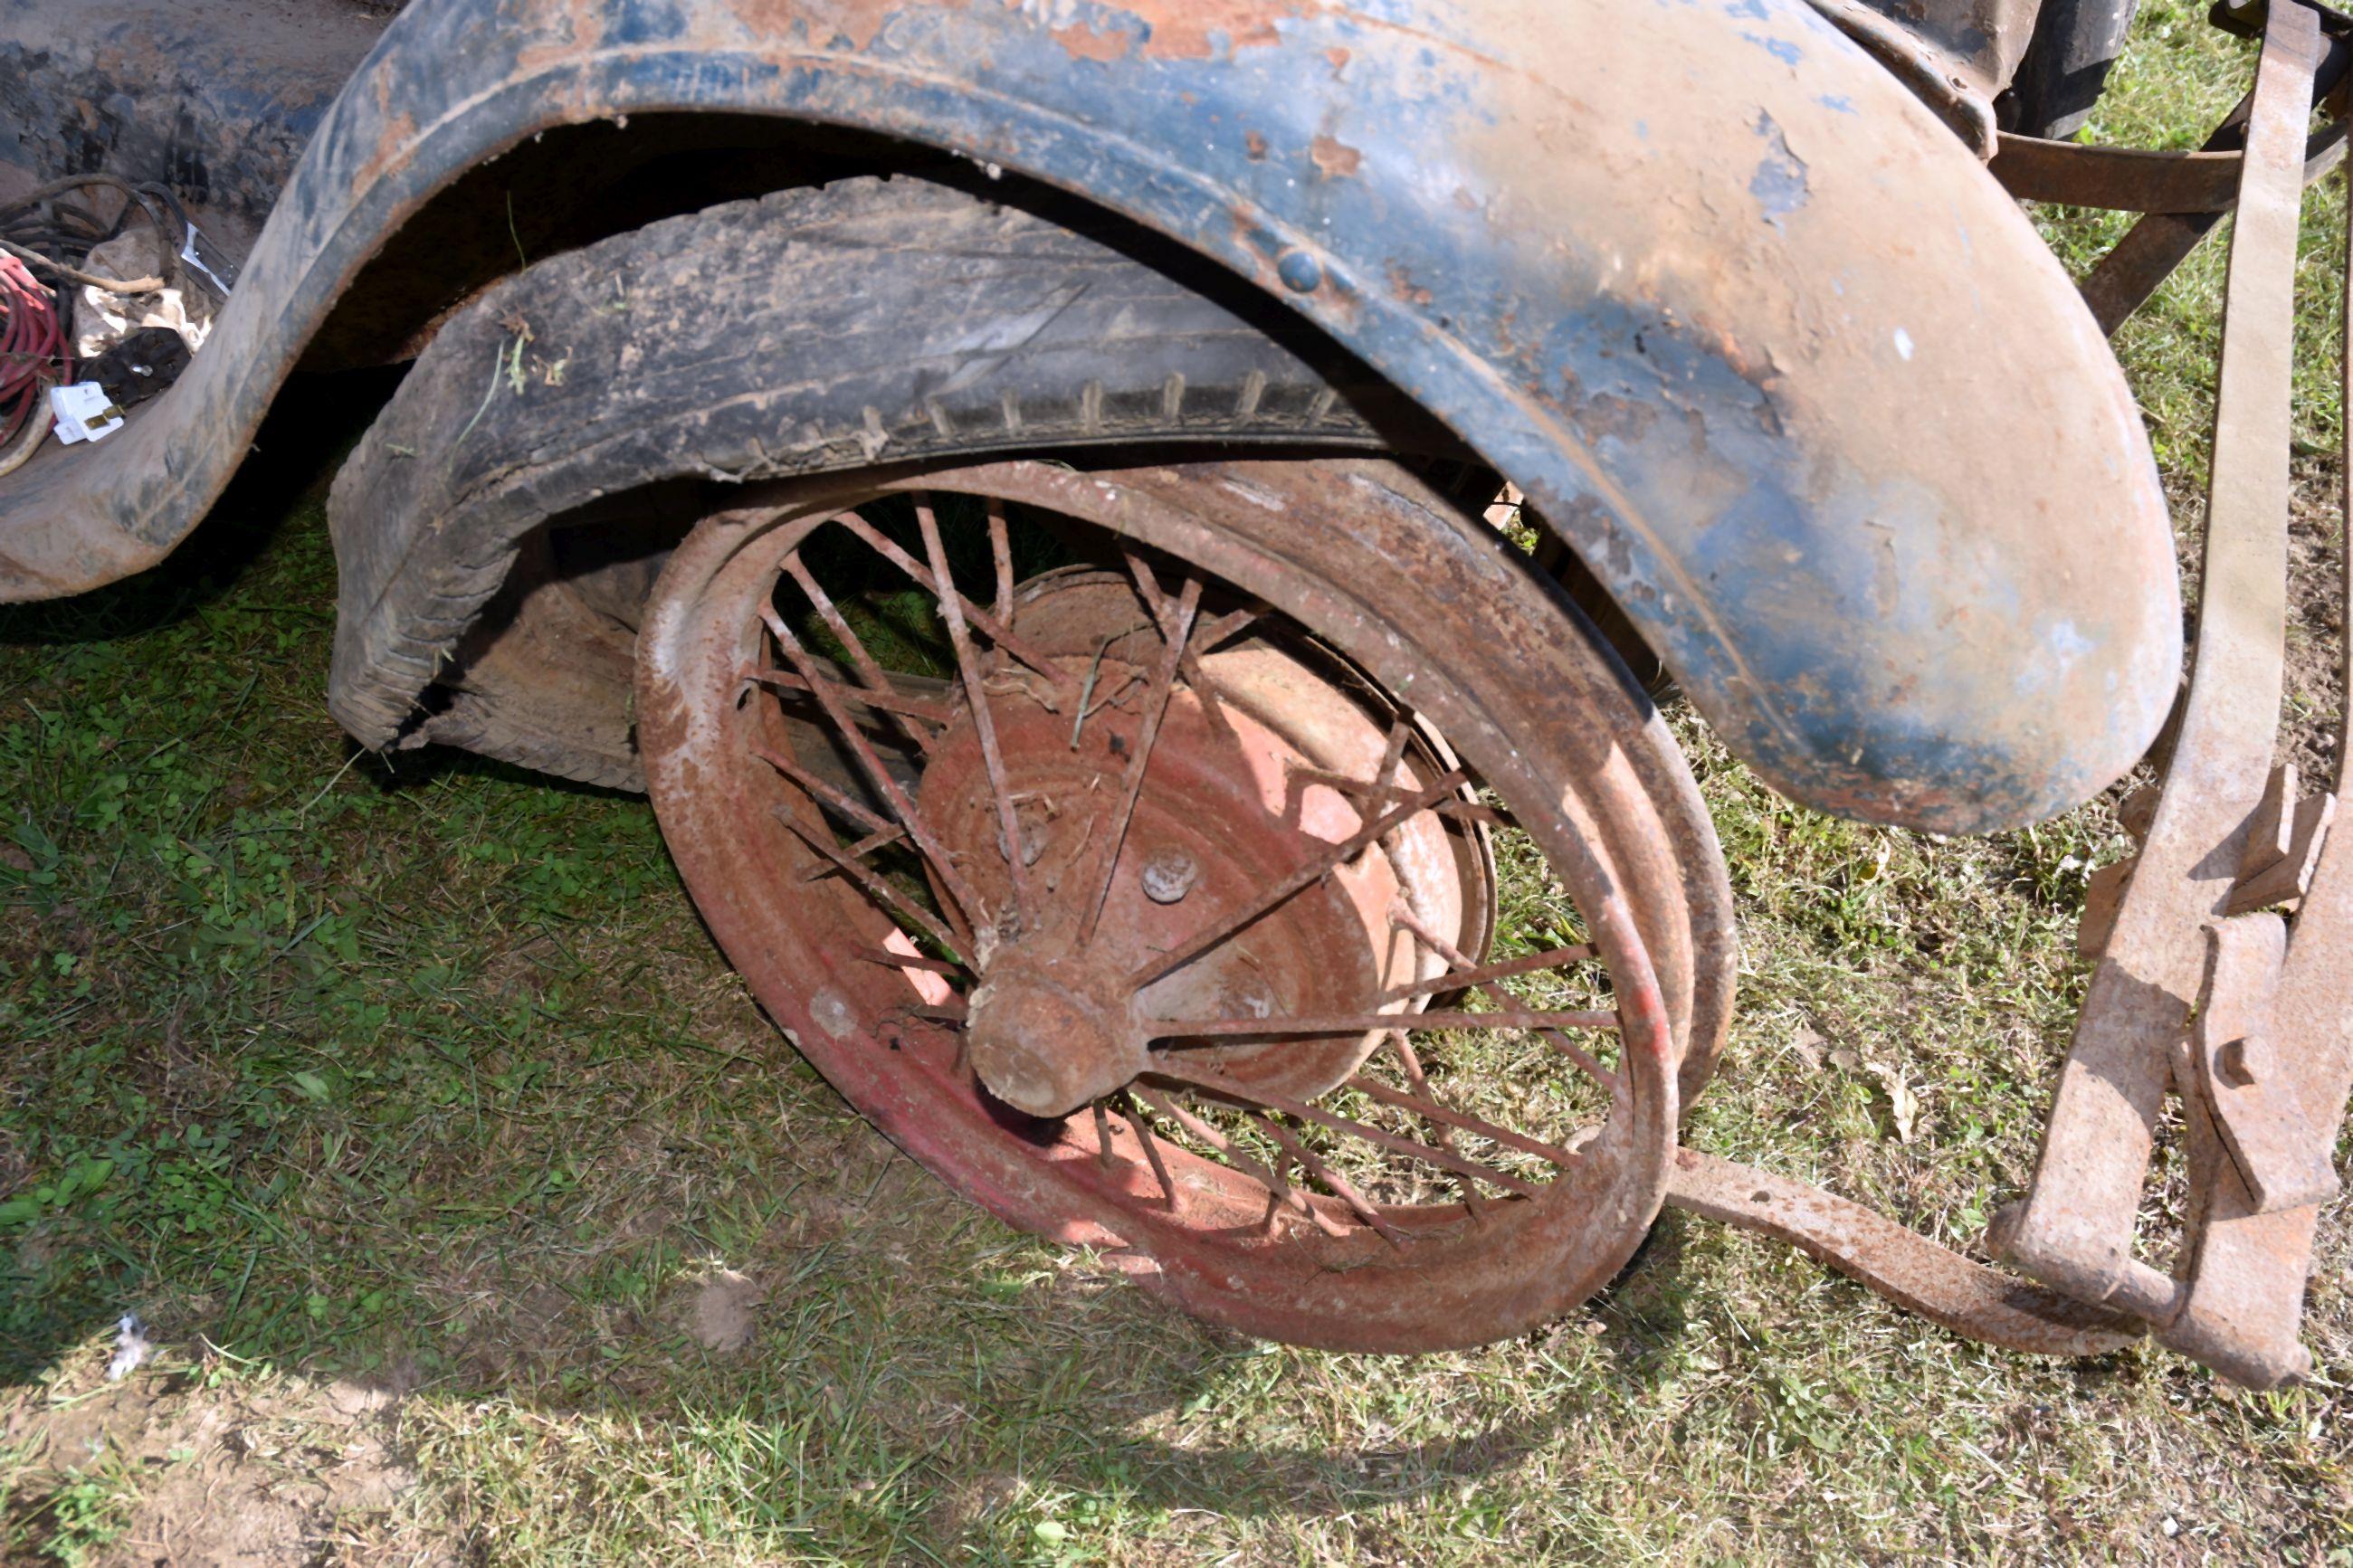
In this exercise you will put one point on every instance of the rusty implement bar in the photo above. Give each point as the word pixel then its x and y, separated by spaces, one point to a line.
pixel 2250 1022
pixel 2264 1081
pixel 1902 1265
pixel 2141 179
pixel 2075 1230
pixel 2163 239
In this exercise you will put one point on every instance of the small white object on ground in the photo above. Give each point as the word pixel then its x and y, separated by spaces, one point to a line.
pixel 131 1348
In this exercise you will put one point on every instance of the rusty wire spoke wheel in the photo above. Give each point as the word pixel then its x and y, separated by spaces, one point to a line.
pixel 1124 846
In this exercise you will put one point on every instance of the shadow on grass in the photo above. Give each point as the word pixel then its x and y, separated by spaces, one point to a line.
pixel 420 1070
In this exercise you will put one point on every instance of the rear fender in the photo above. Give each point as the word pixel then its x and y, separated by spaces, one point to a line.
pixel 1792 373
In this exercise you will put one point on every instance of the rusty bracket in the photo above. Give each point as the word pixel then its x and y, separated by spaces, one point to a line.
pixel 2140 179
pixel 2239 1070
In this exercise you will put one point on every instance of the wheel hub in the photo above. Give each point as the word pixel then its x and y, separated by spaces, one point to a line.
pixel 1229 802
pixel 1051 1037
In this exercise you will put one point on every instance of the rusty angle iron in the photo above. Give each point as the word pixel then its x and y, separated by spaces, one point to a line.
pixel 2248 1022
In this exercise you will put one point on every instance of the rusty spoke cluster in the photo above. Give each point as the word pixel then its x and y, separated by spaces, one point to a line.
pixel 1174 628
pixel 1292 1148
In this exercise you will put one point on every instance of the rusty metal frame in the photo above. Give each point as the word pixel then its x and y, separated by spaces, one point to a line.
pixel 2250 1025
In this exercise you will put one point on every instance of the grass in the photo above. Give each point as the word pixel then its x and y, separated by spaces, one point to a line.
pixel 423 1076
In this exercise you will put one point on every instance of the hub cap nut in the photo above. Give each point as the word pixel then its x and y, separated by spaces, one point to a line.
pixel 1168 876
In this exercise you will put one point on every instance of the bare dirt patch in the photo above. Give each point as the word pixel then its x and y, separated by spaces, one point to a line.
pixel 185 1466
pixel 725 1312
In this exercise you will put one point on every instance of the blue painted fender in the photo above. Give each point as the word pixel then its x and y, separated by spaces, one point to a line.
pixel 1791 372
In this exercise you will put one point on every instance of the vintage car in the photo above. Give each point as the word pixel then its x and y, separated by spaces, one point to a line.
pixel 1102 524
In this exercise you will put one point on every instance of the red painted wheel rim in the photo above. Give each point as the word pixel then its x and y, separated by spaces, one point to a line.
pixel 1230 1178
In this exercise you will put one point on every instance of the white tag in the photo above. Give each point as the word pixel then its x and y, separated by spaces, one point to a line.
pixel 84 413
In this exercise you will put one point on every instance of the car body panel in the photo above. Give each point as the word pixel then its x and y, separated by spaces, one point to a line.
pixel 1793 375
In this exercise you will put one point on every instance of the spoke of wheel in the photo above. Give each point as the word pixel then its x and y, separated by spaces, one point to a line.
pixel 1392 754
pixel 1313 871
pixel 1224 629
pixel 878 840
pixel 1357 1023
pixel 877 681
pixel 879 776
pixel 823 791
pixel 1282 1192
pixel 991 626
pixel 1000 556
pixel 984 722
pixel 1421 1106
pixel 1155 706
pixel 1462 979
pixel 1163 610
pixel 1140 1125
pixel 888 960
pixel 1398 1142
pixel 1461 810
pixel 1331 1178
pixel 892 700
pixel 1455 959
pixel 1103 1138
pixel 875 886
pixel 1440 1133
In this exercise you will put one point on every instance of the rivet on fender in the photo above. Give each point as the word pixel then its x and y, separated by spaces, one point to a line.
pixel 1300 273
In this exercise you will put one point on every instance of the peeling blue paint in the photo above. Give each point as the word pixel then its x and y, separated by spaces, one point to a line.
pixel 1779 183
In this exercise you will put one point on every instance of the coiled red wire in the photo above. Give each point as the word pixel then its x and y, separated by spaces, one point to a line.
pixel 34 354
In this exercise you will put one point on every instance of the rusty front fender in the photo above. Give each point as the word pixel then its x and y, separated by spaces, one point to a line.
pixel 1788 370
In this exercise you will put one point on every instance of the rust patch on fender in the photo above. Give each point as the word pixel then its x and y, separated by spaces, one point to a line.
pixel 1189 29
pixel 854 21
pixel 1085 43
pixel 1334 158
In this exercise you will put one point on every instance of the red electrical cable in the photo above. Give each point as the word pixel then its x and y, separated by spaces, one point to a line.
pixel 34 355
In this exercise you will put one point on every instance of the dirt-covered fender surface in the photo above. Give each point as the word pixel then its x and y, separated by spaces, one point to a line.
pixel 1794 375
pixel 871 321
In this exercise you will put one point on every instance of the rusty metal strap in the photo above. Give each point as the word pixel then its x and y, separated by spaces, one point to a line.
pixel 2161 241
pixel 2136 179
pixel 2075 1230
pixel 2254 1247
pixel 1902 1265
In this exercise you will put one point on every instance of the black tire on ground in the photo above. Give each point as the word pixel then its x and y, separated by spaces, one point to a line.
pixel 498 525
